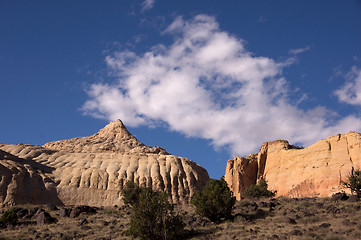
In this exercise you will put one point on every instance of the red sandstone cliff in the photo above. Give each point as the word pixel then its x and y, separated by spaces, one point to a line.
pixel 317 170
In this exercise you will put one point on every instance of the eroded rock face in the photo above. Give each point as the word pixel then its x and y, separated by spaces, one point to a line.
pixel 92 170
pixel 241 172
pixel 23 180
pixel 114 137
pixel 317 170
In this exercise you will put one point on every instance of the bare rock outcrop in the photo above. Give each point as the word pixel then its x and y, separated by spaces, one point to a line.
pixel 241 172
pixel 114 137
pixel 92 170
pixel 23 180
pixel 317 170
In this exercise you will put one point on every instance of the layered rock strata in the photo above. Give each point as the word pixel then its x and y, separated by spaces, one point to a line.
pixel 317 170
pixel 92 170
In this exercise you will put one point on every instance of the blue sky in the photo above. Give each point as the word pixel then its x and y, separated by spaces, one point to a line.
pixel 206 80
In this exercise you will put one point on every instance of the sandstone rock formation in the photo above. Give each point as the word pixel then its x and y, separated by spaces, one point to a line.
pixel 23 180
pixel 317 170
pixel 112 138
pixel 240 173
pixel 92 170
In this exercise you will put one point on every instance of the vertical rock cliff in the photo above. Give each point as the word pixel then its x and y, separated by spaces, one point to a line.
pixel 317 170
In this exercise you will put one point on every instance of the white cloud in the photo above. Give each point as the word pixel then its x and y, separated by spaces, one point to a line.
pixel 207 85
pixel 299 50
pixel 350 92
pixel 147 5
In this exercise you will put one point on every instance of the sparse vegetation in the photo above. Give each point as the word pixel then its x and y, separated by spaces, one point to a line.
pixel 9 217
pixel 334 237
pixel 152 215
pixel 258 190
pixel 316 218
pixel 354 182
pixel 130 193
pixel 215 201
pixel 311 219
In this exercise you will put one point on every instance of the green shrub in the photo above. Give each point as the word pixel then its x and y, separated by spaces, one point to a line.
pixel 130 193
pixel 354 182
pixel 215 201
pixel 9 217
pixel 258 190
pixel 152 215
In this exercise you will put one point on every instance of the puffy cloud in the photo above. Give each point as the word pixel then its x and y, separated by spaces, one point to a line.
pixel 206 84
pixel 350 92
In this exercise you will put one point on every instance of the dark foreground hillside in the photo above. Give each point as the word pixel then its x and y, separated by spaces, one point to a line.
pixel 281 218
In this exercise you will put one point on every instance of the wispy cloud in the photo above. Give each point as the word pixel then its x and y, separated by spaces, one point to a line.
pixel 262 19
pixel 147 5
pixel 350 92
pixel 299 50
pixel 206 84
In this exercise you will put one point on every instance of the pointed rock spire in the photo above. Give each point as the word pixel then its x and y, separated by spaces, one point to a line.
pixel 113 137
pixel 117 132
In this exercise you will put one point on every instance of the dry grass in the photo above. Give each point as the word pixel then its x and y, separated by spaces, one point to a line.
pixel 107 223
pixel 305 219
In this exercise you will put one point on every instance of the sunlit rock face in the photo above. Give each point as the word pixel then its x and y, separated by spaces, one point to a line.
pixel 240 173
pixel 317 170
pixel 92 170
